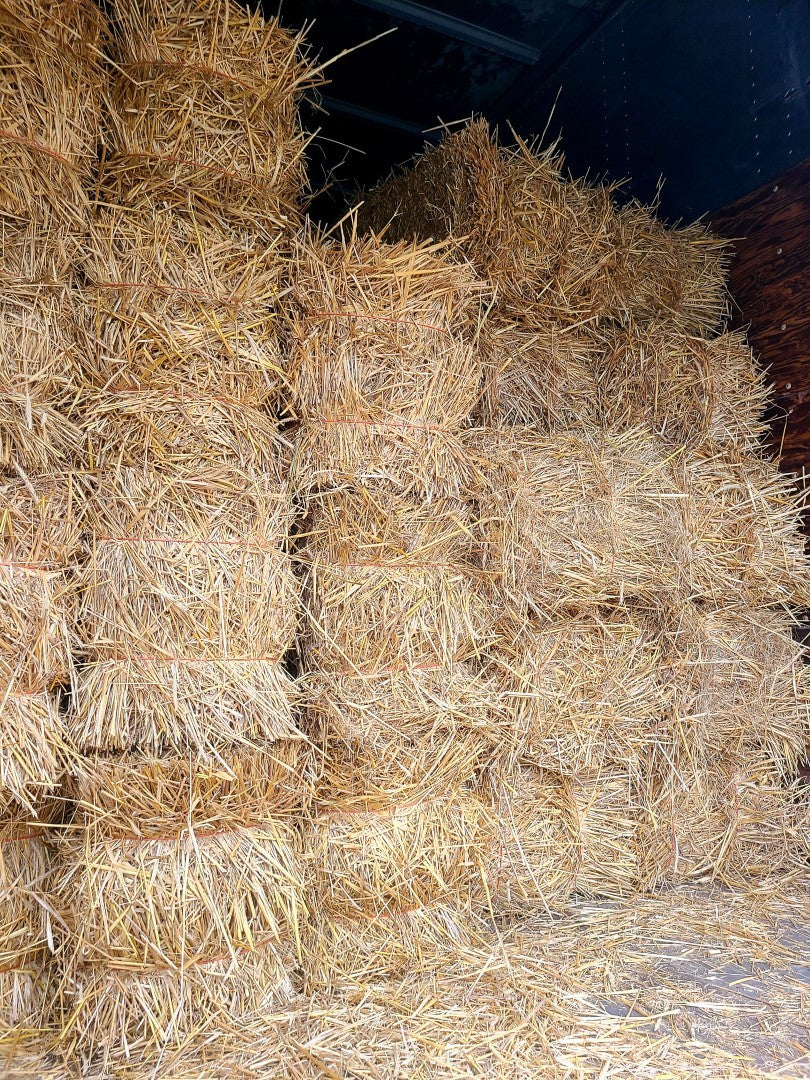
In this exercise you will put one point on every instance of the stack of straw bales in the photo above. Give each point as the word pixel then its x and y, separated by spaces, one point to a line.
pixel 645 549
pixel 50 82
pixel 385 373
pixel 179 883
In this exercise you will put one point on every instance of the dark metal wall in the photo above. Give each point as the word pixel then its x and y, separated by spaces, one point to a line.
pixel 711 95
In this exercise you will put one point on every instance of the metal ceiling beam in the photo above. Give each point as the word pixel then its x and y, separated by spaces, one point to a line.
pixel 533 81
pixel 460 29
pixel 371 116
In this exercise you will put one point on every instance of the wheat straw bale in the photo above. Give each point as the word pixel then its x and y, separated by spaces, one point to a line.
pixel 539 239
pixel 391 581
pixel 388 858
pixel 40 523
pixel 183 898
pixel 354 953
pixel 384 328
pixel 160 430
pixel 577 520
pixel 189 604
pixel 135 794
pixel 204 109
pixel 741 520
pixel 612 817
pixel 537 856
pixel 675 273
pixel 730 818
pixel 738 681
pixel 585 689
pixel 545 375
pixel 414 460
pixel 24 871
pixel 31 255
pixel 174 304
pixel 39 373
pixel 33 749
pixel 119 1010
pixel 40 531
pixel 384 368
pixel 686 388
pixel 405 731
pixel 50 90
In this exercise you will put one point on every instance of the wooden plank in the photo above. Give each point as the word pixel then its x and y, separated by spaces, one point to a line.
pixel 770 284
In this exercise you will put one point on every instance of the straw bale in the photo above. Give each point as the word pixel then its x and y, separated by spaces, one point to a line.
pixel 586 689
pixel 33 749
pixel 39 372
pixel 183 898
pixel 50 91
pixel 738 677
pixel 404 732
pixel 612 818
pixel 580 519
pixel 188 606
pixel 116 1010
pixel 372 616
pixel 543 375
pixel 741 521
pixel 675 273
pixel 354 953
pixel 732 818
pixel 174 305
pixel 205 106
pixel 545 242
pixel 536 860
pixel 685 388
pixel 143 795
pixel 178 431
pixel 391 581
pixel 387 858
pixel 24 870
pixel 557 249
pixel 31 256
pixel 414 460
pixel 383 331
pixel 40 531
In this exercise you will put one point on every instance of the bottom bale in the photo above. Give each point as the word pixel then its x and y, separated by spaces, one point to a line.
pixel 179 900
pixel 381 860
pixel 129 1010
pixel 611 816
pixel 537 853
pixel 726 820
pixel 340 952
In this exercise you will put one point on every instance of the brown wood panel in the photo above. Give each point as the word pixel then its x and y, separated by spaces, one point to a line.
pixel 770 284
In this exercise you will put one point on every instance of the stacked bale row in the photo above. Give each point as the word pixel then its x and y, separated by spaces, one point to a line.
pixel 179 883
pixel 646 550
pixel 50 84
pixel 384 373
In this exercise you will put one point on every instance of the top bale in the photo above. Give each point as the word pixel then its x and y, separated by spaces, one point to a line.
pixel 557 249
pixel 205 109
pixel 50 89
